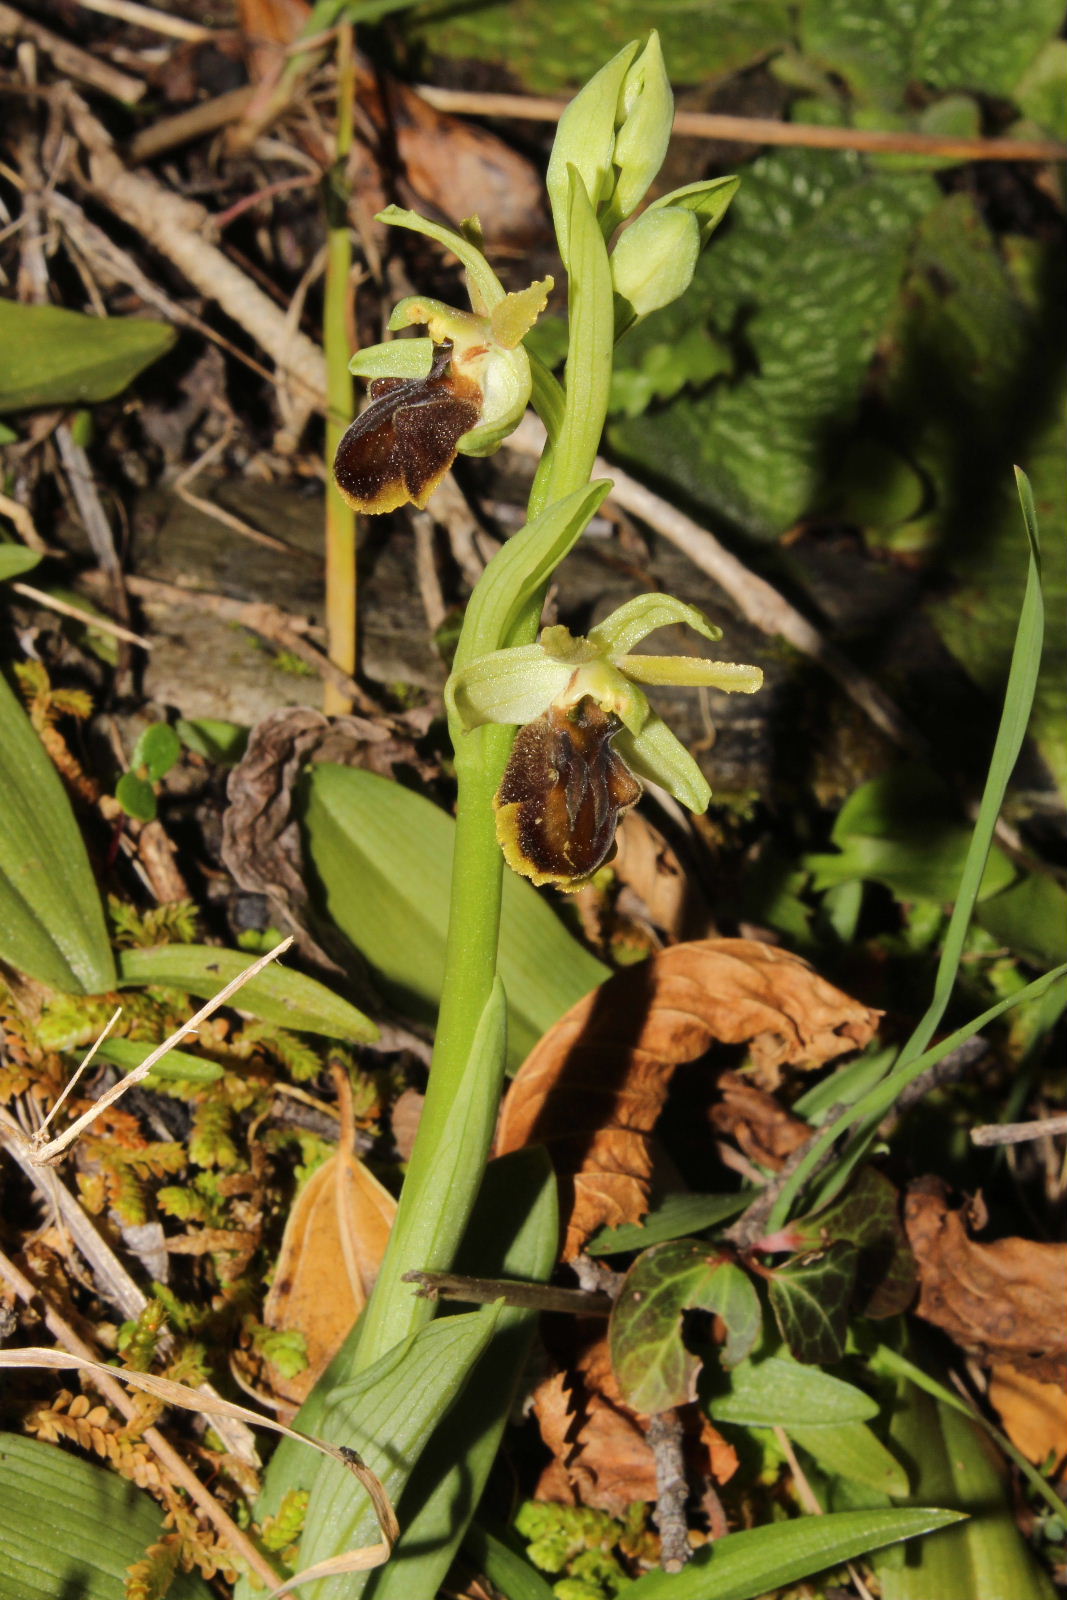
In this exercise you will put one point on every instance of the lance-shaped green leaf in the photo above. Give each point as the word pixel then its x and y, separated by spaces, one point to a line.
pixel 278 995
pixel 54 357
pixel 810 1298
pixel 853 1451
pixel 15 559
pixel 759 1561
pixel 776 1392
pixel 51 919
pixel 71 1528
pixel 653 1367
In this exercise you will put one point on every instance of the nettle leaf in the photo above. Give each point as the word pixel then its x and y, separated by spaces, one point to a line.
pixel 804 286
pixel 882 47
pixel 654 1368
pixel 810 1298
pixel 868 1216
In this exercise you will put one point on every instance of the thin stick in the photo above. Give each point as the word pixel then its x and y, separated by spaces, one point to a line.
pixel 55 1147
pixel 69 59
pixel 1019 1132
pixel 764 130
pixel 93 1048
pixel 127 1406
pixel 529 1296
pixel 155 21
pixel 672 1490
pixel 91 620
pixel 24 523
pixel 341 571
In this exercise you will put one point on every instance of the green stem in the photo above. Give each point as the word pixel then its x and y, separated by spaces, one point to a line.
pixel 444 1172
pixel 340 393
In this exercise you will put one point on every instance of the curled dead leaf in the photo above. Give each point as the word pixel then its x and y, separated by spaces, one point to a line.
pixel 646 865
pixel 1003 1302
pixel 757 1122
pixel 1032 1414
pixel 592 1089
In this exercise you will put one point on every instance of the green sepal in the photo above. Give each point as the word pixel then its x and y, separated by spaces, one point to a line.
pixel 486 289
pixel 657 756
pixel 692 672
pixel 634 621
pixel 710 200
pixel 507 686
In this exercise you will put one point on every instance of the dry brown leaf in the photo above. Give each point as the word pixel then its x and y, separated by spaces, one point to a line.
pixel 404 1119
pixel 645 864
pixel 333 1246
pixel 601 1457
pixel 1003 1302
pixel 593 1087
pixel 757 1122
pixel 1033 1415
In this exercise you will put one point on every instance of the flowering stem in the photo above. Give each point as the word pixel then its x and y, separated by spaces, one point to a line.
pixel 340 518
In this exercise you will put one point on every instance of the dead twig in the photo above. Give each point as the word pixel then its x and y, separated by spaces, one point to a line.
pixel 90 618
pixel 69 59
pixel 156 21
pixel 993 1133
pixel 665 1439
pixel 763 130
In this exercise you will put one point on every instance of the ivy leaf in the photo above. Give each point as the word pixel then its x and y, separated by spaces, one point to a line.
pixel 651 1363
pixel 867 1215
pixel 810 1297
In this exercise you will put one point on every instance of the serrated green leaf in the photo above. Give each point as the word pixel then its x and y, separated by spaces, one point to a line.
pixel 810 1297
pixel 758 1561
pixel 51 919
pixel 984 1558
pixel 54 357
pixel 652 1365
pixel 277 995
pixel 853 1451
pixel 15 559
pixel 777 1392
pixel 136 797
pixel 554 47
pixel 69 1528
pixel 384 859
pixel 676 1216
pixel 882 48
pixel 811 270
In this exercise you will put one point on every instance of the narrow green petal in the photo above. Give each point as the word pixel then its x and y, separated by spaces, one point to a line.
pixel 507 686
pixel 692 672
pixel 658 757
pixel 643 615
pixel 399 358
pixel 486 289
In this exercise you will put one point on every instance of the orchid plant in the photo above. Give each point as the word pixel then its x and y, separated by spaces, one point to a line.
pixel 553 736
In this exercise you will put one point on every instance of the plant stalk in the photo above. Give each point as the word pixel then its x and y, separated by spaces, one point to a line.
pixel 340 392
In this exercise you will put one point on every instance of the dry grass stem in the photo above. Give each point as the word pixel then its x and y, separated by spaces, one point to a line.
pixel 69 59
pixel 43 1154
pixel 79 614
pixel 155 21
pixel 1019 1132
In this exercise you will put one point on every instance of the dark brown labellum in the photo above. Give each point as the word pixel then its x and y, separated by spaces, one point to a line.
pixel 558 805
pixel 399 449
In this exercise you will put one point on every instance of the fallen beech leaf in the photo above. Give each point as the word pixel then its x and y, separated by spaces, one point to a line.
pixel 601 1457
pixel 757 1122
pixel 1032 1414
pixel 645 864
pixel 593 1087
pixel 333 1246
pixel 1003 1301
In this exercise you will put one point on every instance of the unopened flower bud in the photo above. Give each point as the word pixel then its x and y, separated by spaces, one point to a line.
pixel 653 262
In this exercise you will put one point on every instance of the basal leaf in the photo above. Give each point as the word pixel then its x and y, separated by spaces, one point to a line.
pixel 760 1560
pixel 1029 918
pixel 69 1528
pixel 176 1065
pixel 676 1216
pixel 653 1367
pixel 384 859
pixel 54 357
pixel 51 919
pixel 777 1392
pixel 278 995
pixel 810 1298
pixel 853 1451
pixel 15 559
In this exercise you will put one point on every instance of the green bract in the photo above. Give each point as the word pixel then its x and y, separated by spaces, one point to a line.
pixel 486 341
pixel 521 684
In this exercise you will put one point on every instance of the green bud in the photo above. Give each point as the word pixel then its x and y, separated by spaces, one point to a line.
pixel 585 140
pixel 653 263
pixel 645 131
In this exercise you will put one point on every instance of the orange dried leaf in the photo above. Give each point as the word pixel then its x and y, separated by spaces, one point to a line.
pixel 1003 1301
pixel 1033 1415
pixel 593 1087
pixel 333 1246
pixel 757 1122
